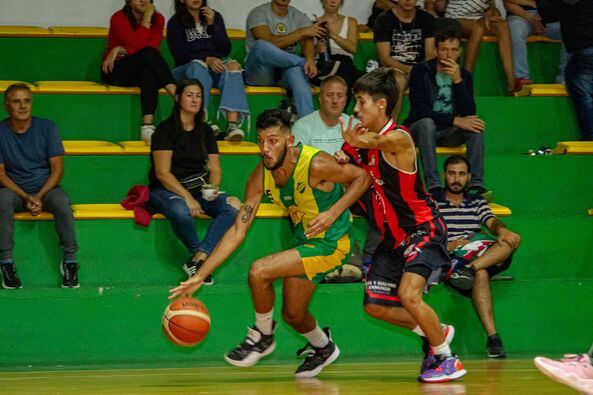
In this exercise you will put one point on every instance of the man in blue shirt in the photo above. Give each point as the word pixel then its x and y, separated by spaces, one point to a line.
pixel 31 167
pixel 477 256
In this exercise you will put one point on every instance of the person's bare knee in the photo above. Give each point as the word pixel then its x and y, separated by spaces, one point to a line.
pixel 234 202
pixel 233 65
pixel 293 316
pixel 258 272
pixel 476 32
pixel 410 298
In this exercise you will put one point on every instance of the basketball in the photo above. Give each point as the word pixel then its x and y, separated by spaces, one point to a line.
pixel 186 322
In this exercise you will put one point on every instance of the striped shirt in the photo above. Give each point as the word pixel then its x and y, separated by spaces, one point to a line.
pixel 467 9
pixel 465 220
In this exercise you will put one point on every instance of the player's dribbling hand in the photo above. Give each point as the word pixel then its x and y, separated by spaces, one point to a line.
pixel 350 133
pixel 341 157
pixel 320 224
pixel 186 288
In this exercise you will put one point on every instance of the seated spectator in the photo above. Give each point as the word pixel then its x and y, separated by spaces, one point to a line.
pixel 443 111
pixel 186 174
pixel 575 18
pixel 523 22
pixel 404 36
pixel 479 17
pixel 343 41
pixel 321 129
pixel 273 31
pixel 477 256
pixel 200 46
pixel 133 58
pixel 380 6
pixel 31 168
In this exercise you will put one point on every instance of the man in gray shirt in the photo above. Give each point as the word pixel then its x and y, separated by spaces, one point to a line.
pixel 273 31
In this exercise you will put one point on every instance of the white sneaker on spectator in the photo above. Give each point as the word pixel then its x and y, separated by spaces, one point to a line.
pixel 234 133
pixel 146 132
pixel 215 129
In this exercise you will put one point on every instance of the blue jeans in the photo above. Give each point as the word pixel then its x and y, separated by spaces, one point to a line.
pixel 427 134
pixel 521 29
pixel 579 83
pixel 174 208
pixel 265 59
pixel 233 97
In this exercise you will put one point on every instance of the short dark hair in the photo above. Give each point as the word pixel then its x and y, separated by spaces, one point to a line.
pixel 379 84
pixel 455 159
pixel 333 78
pixel 449 32
pixel 273 117
pixel 16 87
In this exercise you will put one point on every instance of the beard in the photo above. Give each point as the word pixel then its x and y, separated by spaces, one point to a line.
pixel 279 162
pixel 457 191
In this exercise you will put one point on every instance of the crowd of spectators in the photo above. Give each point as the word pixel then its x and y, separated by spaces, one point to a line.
pixel 420 40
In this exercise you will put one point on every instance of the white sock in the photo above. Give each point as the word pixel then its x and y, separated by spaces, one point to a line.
pixel 442 349
pixel 264 322
pixel 317 337
pixel 417 330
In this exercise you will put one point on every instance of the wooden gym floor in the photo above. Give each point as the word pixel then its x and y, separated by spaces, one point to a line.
pixel 484 377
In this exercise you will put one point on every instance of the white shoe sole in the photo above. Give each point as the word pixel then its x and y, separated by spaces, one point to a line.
pixel 235 136
pixel 252 358
pixel 559 375
pixel 312 373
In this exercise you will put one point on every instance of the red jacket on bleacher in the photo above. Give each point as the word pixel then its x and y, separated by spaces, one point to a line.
pixel 121 33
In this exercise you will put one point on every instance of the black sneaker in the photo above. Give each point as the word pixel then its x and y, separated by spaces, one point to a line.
pixel 463 277
pixel 69 275
pixel 317 358
pixel 327 69
pixel 192 267
pixel 495 347
pixel 10 278
pixel 255 346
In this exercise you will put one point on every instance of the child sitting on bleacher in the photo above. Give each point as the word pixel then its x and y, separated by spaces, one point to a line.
pixel 132 57
pixel 199 43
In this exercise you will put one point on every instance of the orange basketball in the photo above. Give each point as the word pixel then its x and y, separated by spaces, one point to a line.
pixel 186 321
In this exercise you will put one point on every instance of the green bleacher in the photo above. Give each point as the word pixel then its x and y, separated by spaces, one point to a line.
pixel 126 270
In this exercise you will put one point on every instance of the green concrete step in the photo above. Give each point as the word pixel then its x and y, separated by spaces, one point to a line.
pixel 112 326
pixel 55 54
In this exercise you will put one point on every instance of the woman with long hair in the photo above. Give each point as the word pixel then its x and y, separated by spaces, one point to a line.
pixel 342 41
pixel 199 43
pixel 186 174
pixel 132 57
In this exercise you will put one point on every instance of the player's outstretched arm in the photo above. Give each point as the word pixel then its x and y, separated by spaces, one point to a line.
pixel 357 136
pixel 231 239
pixel 325 168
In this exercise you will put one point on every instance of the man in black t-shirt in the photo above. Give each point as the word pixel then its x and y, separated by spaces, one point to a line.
pixel 404 36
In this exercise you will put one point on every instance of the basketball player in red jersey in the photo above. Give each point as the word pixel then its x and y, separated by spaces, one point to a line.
pixel 412 255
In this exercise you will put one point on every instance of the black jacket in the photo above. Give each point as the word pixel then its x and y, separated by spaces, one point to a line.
pixel 424 90
pixel 576 20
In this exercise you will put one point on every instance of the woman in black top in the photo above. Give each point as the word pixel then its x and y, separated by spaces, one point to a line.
pixel 186 173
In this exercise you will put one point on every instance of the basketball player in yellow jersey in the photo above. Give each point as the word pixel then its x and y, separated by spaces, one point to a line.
pixel 307 182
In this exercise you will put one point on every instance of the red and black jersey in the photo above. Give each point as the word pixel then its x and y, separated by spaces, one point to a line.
pixel 396 200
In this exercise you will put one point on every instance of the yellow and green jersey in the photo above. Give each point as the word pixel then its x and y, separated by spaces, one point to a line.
pixel 304 202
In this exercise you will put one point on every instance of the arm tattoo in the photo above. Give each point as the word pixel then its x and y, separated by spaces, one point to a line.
pixel 248 213
pixel 496 226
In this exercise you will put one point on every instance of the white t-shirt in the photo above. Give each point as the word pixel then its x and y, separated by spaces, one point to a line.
pixel 312 131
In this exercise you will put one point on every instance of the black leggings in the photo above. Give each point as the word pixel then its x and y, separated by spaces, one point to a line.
pixel 146 69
